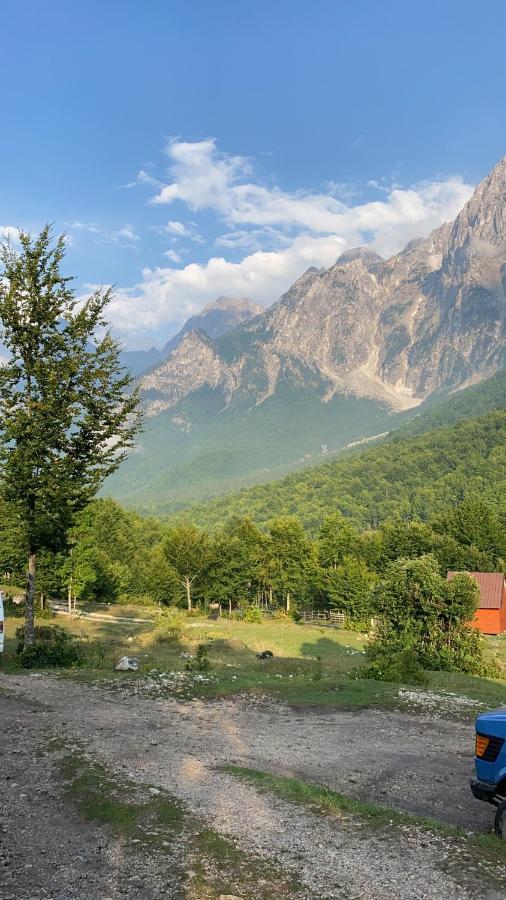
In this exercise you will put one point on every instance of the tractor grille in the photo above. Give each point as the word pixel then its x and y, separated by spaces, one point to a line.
pixel 493 748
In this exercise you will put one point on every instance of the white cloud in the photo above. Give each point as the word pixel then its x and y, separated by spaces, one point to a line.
pixel 144 177
pixel 125 236
pixel 281 233
pixel 203 178
pixel 183 230
pixel 9 233
pixel 90 227
pixel 127 233
pixel 173 256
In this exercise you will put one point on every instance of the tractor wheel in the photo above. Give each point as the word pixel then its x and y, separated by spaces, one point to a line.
pixel 500 821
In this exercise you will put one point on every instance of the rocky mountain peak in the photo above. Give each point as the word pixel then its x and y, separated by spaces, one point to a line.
pixel 479 231
pixel 244 306
pixel 216 318
pixel 368 257
pixel 430 318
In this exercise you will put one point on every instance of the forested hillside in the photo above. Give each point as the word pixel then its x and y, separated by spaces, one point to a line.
pixel 414 477
pixel 472 401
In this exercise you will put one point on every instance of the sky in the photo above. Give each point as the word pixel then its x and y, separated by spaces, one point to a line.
pixel 195 149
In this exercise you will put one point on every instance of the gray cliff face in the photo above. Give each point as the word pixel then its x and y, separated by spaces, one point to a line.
pixel 430 318
pixel 216 318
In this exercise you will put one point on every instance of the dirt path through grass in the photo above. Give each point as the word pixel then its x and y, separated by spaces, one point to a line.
pixel 416 764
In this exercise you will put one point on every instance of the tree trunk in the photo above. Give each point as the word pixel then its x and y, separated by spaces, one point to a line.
pixel 188 586
pixel 288 601
pixel 30 599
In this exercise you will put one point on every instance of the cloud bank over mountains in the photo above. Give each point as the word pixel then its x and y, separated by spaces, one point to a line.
pixel 277 233
pixel 249 237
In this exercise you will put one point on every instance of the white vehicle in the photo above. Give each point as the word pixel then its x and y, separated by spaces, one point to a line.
pixel 2 621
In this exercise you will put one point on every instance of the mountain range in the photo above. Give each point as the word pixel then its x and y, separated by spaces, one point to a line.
pixel 344 354
pixel 215 319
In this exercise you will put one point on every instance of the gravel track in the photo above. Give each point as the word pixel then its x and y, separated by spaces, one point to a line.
pixel 416 764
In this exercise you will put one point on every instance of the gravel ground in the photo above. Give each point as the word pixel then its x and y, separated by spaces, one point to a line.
pixel 420 765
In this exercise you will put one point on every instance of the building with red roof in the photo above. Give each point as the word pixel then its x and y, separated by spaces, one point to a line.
pixel 491 613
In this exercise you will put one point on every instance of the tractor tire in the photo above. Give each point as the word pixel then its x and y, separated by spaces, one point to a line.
pixel 500 821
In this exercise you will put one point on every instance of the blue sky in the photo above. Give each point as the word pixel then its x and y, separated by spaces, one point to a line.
pixel 191 149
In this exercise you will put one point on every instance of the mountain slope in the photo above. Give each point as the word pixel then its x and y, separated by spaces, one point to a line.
pixel 430 318
pixel 333 361
pixel 215 319
pixel 411 477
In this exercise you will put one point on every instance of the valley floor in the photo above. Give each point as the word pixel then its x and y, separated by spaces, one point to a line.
pixel 106 794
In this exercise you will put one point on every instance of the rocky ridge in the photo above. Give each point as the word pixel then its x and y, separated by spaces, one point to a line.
pixel 429 319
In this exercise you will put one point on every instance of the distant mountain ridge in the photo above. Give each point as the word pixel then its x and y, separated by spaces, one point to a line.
pixel 430 318
pixel 335 360
pixel 215 319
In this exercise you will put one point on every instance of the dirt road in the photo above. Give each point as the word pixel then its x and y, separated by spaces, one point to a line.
pixel 415 764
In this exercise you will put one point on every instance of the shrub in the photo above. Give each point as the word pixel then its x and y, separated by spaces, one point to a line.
pixel 170 625
pixel 53 646
pixel 424 616
pixel 404 666
pixel 13 610
pixel 281 615
pixel 253 614
pixel 200 662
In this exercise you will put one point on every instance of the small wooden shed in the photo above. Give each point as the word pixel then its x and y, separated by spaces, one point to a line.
pixel 491 613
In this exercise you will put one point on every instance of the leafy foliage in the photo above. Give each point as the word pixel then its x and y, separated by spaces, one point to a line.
pixel 200 662
pixel 412 478
pixel 67 414
pixel 170 625
pixel 53 647
pixel 422 614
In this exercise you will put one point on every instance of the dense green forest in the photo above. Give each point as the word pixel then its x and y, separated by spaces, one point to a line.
pixel 199 450
pixel 115 555
pixel 472 401
pixel 321 537
pixel 408 477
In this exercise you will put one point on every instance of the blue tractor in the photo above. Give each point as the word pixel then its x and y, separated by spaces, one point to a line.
pixel 490 765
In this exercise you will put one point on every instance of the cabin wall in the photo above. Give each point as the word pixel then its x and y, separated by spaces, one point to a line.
pixel 503 613
pixel 490 621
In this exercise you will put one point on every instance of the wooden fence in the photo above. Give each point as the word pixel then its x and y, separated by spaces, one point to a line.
pixel 327 619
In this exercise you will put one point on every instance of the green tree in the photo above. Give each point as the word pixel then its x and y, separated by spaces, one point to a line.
pixel 423 613
pixel 338 538
pixel 156 578
pixel 348 587
pixel 187 551
pixel 291 558
pixel 475 523
pixel 235 553
pixel 67 416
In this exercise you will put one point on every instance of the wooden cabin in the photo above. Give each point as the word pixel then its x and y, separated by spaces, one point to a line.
pixel 490 616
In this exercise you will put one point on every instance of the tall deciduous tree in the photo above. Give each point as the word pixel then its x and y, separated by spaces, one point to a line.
pixel 67 414
pixel 187 551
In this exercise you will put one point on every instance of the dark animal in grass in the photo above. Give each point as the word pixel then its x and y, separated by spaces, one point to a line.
pixel 265 654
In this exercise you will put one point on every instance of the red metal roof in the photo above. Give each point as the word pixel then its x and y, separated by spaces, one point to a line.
pixel 491 585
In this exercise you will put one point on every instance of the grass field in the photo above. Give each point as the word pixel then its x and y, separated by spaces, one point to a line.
pixel 311 665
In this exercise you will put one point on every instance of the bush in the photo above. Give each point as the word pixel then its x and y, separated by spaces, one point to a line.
pixel 253 614
pixel 424 617
pixel 281 615
pixel 403 666
pixel 13 610
pixel 53 646
pixel 200 663
pixel 170 625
